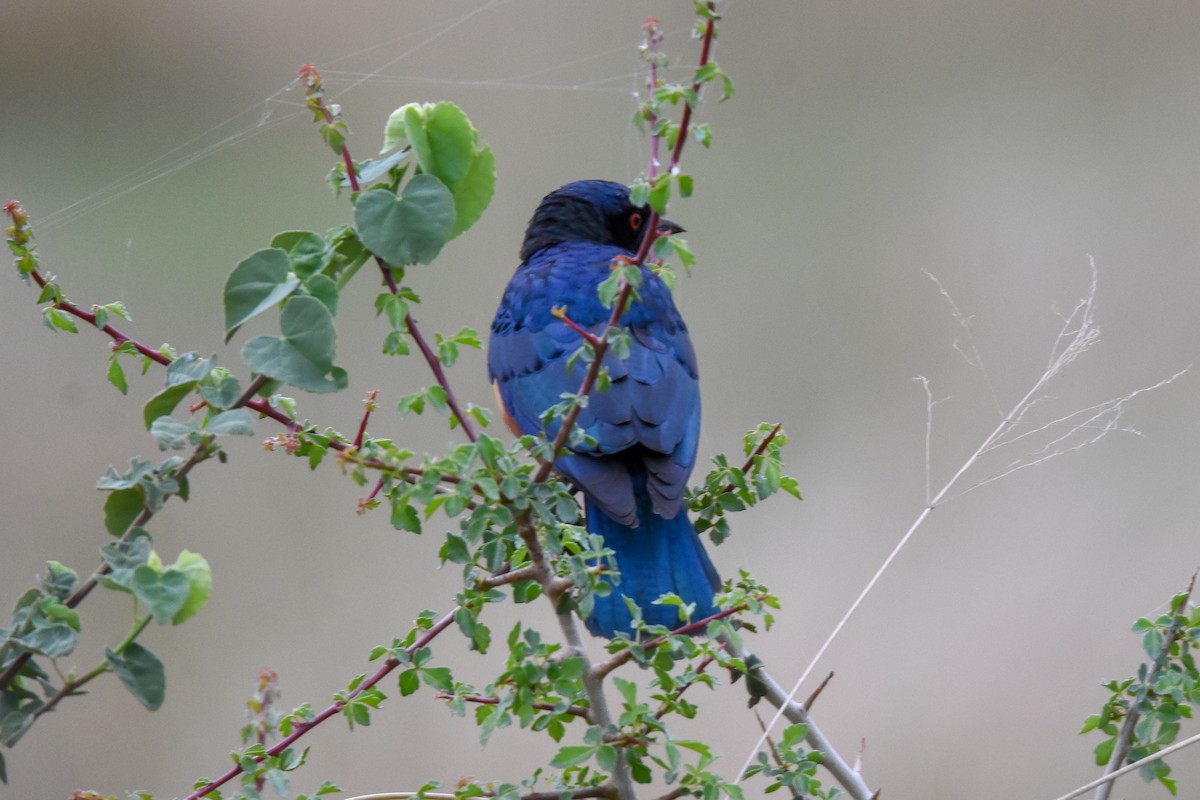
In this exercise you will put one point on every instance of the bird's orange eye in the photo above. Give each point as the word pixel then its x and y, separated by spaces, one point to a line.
pixel 635 221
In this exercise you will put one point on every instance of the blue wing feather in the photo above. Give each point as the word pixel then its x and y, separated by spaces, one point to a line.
pixel 646 424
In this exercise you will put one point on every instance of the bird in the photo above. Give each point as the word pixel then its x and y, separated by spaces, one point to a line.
pixel 643 427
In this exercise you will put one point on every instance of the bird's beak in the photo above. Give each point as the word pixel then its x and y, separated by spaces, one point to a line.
pixel 666 227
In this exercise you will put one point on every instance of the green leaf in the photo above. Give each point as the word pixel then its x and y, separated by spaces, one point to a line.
pixel 438 678
pixel 442 138
pixel 199 577
pixel 173 434
pixel 235 422
pixel 121 508
pixel 57 319
pixel 660 193
pixel 116 374
pixel 1153 643
pixel 53 641
pixel 1104 751
pixel 163 403
pixel 409 681
pixel 306 251
pixel 260 281
pixel 14 723
pixel 410 228
pixel 405 517
pixel 455 550
pixel 126 556
pixel 141 672
pixel 572 756
pixel 303 357
pixel 189 368
pixel 164 594
pixel 325 289
pixel 222 391
pixel 474 192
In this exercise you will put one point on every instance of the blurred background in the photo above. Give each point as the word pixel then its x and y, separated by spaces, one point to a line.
pixel 995 145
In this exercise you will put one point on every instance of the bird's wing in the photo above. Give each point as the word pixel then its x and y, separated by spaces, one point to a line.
pixel 651 410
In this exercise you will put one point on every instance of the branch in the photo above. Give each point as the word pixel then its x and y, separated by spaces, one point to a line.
pixel 568 622
pixel 1125 770
pixel 333 709
pixel 577 711
pixel 623 657
pixel 847 777
pixel 70 687
pixel 1125 737
pixel 758 451
pixel 200 453
pixel 316 101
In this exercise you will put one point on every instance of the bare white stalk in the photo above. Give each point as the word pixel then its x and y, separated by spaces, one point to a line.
pixel 1078 333
pixel 973 359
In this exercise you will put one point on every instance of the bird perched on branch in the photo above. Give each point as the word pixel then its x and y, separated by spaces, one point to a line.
pixel 645 425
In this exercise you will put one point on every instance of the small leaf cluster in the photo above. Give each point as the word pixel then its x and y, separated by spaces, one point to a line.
pixel 260 768
pixel 791 767
pixel 540 688
pixel 728 488
pixel 219 392
pixel 20 240
pixel 1161 694
pixel 45 627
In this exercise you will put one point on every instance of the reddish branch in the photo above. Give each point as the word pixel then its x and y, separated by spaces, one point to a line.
pixel 758 451
pixel 623 657
pixel 312 84
pixel 333 709
pixel 600 348
pixel 199 454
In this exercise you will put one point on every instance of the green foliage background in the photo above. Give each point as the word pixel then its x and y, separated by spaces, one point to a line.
pixel 995 146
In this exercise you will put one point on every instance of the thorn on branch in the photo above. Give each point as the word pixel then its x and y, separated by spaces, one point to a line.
pixel 812 698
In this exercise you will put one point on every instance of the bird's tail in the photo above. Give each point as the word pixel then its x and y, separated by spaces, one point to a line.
pixel 658 557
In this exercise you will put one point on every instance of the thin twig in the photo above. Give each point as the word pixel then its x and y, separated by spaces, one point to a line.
pixel 311 80
pixel 333 709
pixel 604 668
pixel 1078 333
pixel 479 699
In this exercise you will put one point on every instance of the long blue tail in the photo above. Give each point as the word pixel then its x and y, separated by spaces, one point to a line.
pixel 660 556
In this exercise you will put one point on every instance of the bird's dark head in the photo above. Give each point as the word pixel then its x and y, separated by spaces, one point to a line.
pixel 599 212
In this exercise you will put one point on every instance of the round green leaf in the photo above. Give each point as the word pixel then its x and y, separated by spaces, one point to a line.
pixel 473 193
pixel 121 508
pixel 307 251
pixel 324 289
pixel 235 422
pixel 141 672
pixel 199 576
pixel 260 281
pixel 53 641
pixel 451 142
pixel 163 593
pixel 303 357
pixel 410 228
